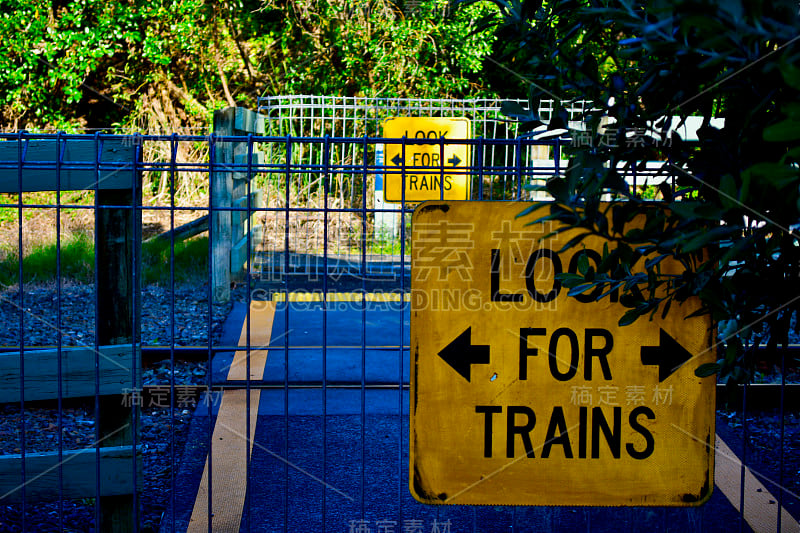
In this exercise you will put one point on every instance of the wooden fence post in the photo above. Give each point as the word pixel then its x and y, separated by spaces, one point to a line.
pixel 221 189
pixel 117 287
pixel 229 189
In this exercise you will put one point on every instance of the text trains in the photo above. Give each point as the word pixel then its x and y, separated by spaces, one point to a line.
pixel 429 182
pixel 582 436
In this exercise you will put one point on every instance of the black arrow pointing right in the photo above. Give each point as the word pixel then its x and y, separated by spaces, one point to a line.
pixel 461 354
pixel 669 355
pixel 454 160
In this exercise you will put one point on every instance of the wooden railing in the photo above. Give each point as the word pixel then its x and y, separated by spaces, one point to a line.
pixel 109 167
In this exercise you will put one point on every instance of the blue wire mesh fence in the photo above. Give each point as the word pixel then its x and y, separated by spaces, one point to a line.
pixel 120 386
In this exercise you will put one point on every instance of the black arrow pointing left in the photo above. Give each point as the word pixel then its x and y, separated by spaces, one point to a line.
pixel 669 355
pixel 461 354
pixel 397 160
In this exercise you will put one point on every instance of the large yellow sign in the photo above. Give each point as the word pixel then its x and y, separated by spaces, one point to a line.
pixel 439 170
pixel 522 395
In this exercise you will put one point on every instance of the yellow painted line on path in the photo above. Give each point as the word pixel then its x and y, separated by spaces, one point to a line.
pixel 230 454
pixel 231 449
pixel 760 507
pixel 262 314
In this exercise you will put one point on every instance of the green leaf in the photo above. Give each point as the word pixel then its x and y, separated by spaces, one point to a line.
pixel 793 154
pixel 728 192
pixel 791 74
pixel 630 317
pixel 744 190
pixel 559 189
pixel 530 209
pixel 569 280
pixel 784 131
pixel 709 211
pixel 685 209
pixel 583 263
pixel 707 369
pixel 634 234
pixel 580 289
pixel 707 237
pixel 654 261
pixel 739 245
pixel 573 241
pixel 792 109
pixel 733 8
pixel 514 110
pixel 772 174
pixel 533 98
pixel 666 309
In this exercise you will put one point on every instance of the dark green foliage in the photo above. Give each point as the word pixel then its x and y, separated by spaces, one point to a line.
pixel 164 66
pixel 731 218
pixel 376 48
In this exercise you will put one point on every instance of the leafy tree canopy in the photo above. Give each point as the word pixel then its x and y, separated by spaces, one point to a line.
pixel 163 65
pixel 732 214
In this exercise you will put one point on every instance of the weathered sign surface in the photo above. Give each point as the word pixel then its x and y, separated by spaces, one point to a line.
pixel 522 395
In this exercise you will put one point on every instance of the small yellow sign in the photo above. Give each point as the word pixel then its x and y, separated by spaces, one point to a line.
pixel 522 395
pixel 439 170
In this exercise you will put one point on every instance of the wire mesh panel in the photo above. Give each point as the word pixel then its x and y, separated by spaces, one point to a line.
pixel 285 407
pixel 304 116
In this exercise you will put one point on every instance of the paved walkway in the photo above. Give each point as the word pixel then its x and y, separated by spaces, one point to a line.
pixel 339 460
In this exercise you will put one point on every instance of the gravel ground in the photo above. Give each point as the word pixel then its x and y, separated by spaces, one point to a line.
pixel 40 304
pixel 776 462
pixel 163 434
pixel 162 441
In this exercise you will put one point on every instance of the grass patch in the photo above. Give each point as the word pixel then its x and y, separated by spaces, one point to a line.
pixel 77 262
pixel 389 246
pixel 191 260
